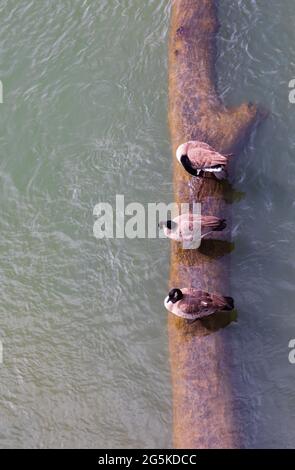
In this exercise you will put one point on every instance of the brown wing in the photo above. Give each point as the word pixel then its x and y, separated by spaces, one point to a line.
pixel 195 293
pixel 218 301
pixel 191 221
pixel 210 221
pixel 202 158
pixel 200 145
pixel 187 306
pixel 193 301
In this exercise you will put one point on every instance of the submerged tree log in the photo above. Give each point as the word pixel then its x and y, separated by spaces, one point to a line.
pixel 202 394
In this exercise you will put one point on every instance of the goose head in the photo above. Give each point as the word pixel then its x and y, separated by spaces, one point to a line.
pixel 174 296
pixel 169 224
pixel 172 299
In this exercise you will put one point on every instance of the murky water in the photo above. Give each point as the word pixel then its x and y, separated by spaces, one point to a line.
pixel 82 324
pixel 256 62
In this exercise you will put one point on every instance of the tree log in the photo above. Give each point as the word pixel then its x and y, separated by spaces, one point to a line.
pixel 203 411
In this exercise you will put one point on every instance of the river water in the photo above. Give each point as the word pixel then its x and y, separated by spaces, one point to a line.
pixel 85 349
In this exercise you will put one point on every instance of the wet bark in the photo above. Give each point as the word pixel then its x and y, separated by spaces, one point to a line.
pixel 203 401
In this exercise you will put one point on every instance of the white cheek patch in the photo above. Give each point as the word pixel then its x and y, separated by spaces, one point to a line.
pixel 179 153
pixel 167 304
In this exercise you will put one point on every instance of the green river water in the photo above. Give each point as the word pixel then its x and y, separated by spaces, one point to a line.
pixel 84 117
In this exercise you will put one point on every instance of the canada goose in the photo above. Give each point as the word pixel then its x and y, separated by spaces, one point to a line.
pixel 198 157
pixel 193 304
pixel 184 227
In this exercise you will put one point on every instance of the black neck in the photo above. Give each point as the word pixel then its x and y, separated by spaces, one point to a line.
pixel 186 163
pixel 171 225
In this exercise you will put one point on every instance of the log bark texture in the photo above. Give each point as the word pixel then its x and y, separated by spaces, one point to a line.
pixel 204 414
